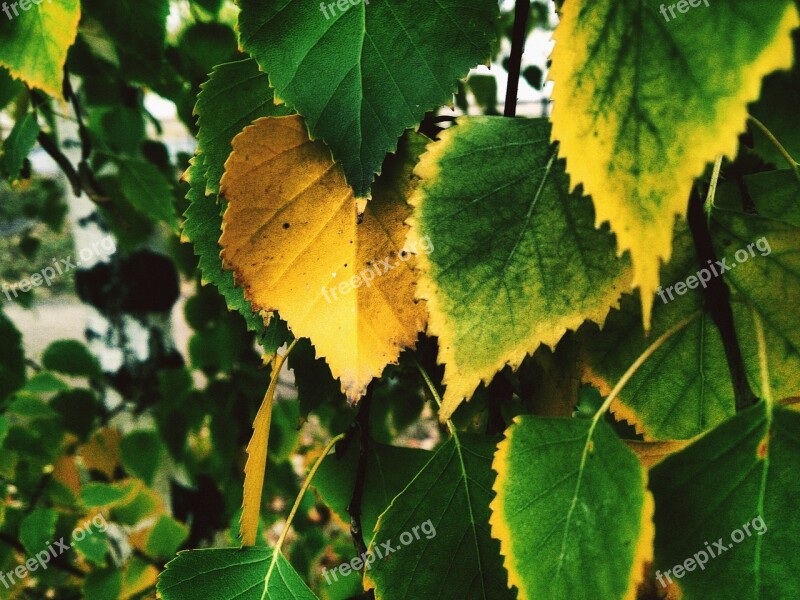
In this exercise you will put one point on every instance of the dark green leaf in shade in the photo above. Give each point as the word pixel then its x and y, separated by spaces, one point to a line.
pixel 727 501
pixel 139 30
pixel 439 529
pixel 389 470
pixel 362 75
pixel 12 357
pixel 18 144
pixel 71 357
pixel 141 453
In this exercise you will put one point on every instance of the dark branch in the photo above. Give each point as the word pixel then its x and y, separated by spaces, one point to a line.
pixel 49 145
pixel 354 508
pixel 717 302
pixel 522 10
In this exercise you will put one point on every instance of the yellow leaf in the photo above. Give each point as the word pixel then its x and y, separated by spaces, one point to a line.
pixel 292 236
pixel 641 105
pixel 255 469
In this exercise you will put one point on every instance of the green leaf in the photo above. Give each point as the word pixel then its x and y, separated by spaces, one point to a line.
pixel 71 358
pixel 45 382
pixel 78 409
pixel 743 473
pixel 139 29
pixel 763 253
pixel 93 544
pixel 95 494
pixel 231 573
pixel 148 191
pixel 235 95
pixel 166 538
pixel 36 40
pixel 685 388
pixel 12 357
pixel 141 453
pixel 438 529
pixel 103 583
pixel 484 88
pixel 569 495
pixel 9 87
pixel 18 144
pixel 362 76
pixel 202 46
pixel 37 529
pixel 644 100
pixel 389 470
pixel 511 259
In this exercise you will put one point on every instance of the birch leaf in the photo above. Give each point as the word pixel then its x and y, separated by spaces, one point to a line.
pixel 570 495
pixel 362 75
pixel 642 104
pixel 292 236
pixel 517 260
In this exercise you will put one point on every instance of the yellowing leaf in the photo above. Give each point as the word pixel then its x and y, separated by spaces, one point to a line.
pixel 291 233
pixel 517 260
pixel 641 104
pixel 255 468
pixel 35 42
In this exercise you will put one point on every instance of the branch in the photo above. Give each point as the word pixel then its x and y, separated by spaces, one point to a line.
pixel 354 508
pixel 81 180
pixel 717 303
pixel 49 145
pixel 522 10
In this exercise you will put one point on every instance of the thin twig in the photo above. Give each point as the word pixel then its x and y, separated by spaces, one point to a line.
pixel 522 10
pixel 354 507
pixel 717 302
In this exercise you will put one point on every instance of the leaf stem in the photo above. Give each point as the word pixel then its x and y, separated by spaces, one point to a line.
pixel 712 188
pixel 296 506
pixel 763 128
pixel 522 11
pixel 434 393
pixel 651 349
pixel 763 360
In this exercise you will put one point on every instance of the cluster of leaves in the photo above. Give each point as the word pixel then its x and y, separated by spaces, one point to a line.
pixel 509 250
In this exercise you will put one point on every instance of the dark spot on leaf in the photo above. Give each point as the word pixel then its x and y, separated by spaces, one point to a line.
pixel 286 226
